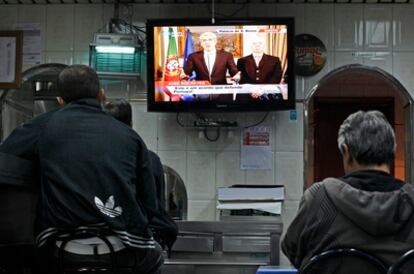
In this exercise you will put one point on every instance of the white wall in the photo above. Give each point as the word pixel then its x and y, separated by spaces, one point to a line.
pixel 344 28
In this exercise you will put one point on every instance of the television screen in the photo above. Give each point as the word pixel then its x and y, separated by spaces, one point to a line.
pixel 231 65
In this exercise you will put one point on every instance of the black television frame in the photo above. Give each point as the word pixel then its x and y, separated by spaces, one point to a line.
pixel 199 107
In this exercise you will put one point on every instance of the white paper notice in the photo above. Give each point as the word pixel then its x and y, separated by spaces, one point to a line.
pixel 7 59
pixel 256 149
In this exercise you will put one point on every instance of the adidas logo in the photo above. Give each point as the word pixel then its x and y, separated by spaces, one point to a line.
pixel 108 208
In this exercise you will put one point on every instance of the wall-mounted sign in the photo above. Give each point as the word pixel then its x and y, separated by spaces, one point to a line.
pixel 370 54
pixel 310 54
pixel 10 59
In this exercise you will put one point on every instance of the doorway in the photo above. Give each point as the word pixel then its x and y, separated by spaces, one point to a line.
pixel 340 93
pixel 330 113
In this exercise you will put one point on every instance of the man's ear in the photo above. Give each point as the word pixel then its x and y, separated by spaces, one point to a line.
pixel 101 95
pixel 60 100
pixel 346 154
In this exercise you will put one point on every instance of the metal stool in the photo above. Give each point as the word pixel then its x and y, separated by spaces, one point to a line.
pixel 344 261
pixel 404 265
pixel 95 268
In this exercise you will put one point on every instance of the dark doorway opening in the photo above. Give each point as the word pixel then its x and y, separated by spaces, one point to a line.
pixel 328 116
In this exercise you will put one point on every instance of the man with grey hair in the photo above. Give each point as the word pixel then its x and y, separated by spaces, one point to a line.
pixel 259 67
pixel 212 65
pixel 367 209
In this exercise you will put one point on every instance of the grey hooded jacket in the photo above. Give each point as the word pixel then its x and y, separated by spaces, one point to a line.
pixel 334 214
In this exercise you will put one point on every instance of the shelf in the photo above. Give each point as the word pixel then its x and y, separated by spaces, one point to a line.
pixel 215 124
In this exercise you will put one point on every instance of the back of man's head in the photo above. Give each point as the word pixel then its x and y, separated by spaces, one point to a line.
pixel 369 137
pixel 76 82
pixel 120 109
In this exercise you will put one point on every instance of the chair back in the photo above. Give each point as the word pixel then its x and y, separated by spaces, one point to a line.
pixel 18 200
pixel 404 265
pixel 344 261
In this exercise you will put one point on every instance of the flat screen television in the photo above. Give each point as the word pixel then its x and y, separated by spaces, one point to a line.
pixel 229 65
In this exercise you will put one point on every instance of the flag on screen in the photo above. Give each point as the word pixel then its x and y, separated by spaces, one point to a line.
pixel 172 67
pixel 189 48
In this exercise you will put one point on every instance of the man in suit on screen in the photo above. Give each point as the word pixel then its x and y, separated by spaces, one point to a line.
pixel 211 65
pixel 259 68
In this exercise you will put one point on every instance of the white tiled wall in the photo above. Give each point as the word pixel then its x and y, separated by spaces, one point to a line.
pixel 170 135
pixel 60 27
pixel 231 174
pixel 378 22
pixel 88 19
pixel 8 17
pixel 291 137
pixel 67 30
pixel 322 28
pixel 403 35
pixel 349 27
pixel 33 14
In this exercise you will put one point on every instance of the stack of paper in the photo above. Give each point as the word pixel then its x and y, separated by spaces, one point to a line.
pixel 258 197
pixel 249 192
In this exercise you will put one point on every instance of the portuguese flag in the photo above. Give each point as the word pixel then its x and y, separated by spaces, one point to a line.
pixel 172 67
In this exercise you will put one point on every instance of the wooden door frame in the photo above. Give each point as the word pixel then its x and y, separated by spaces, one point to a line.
pixel 308 110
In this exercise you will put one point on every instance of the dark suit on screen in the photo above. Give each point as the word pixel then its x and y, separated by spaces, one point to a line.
pixel 224 61
pixel 269 71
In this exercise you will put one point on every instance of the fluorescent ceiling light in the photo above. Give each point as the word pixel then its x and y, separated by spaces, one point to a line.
pixel 115 49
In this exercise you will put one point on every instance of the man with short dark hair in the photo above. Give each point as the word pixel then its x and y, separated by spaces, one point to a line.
pixel 366 209
pixel 120 109
pixel 94 173
pixel 78 82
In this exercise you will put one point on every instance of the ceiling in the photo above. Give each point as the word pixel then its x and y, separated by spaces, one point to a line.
pixel 148 2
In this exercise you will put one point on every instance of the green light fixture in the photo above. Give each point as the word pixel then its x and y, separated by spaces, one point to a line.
pixel 115 53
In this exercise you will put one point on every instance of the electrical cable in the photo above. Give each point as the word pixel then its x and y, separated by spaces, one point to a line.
pixel 178 120
pixel 243 5
pixel 136 28
pixel 203 129
pixel 212 139
pixel 212 12
pixel 258 123
pixel 122 26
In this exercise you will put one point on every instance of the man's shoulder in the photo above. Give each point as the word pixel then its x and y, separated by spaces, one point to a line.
pixel 245 58
pixel 271 57
pixel 43 118
pixel 224 53
pixel 318 186
pixel 155 159
pixel 314 188
pixel 196 53
pixel 331 182
pixel 153 154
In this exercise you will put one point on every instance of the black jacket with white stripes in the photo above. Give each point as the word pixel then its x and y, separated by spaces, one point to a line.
pixel 93 170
